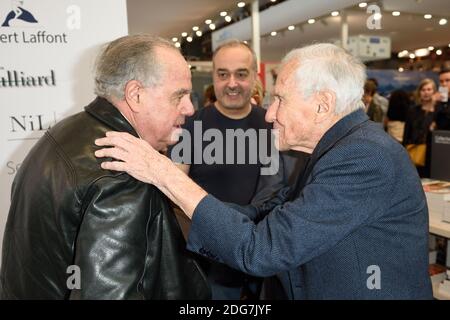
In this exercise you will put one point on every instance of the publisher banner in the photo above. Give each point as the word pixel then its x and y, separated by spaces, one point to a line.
pixel 47 51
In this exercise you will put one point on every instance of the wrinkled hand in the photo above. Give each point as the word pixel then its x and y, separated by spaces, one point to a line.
pixel 136 156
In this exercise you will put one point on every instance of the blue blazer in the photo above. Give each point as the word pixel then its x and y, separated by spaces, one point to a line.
pixel 354 227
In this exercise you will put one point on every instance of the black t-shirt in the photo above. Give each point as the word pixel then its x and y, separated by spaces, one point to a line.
pixel 227 167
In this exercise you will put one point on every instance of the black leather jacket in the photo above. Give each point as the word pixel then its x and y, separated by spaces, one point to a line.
pixel 66 210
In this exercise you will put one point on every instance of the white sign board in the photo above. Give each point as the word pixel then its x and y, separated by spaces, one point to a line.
pixel 47 50
pixel 369 48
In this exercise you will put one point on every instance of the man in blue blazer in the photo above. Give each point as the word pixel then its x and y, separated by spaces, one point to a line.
pixel 355 226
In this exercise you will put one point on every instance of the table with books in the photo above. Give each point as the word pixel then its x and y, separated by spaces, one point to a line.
pixel 438 200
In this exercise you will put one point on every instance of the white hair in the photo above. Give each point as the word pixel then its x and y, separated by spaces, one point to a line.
pixel 325 66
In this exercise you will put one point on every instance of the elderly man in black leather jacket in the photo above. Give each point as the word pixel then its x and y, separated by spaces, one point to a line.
pixel 75 231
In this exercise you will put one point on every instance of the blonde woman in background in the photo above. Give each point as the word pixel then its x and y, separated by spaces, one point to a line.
pixel 419 124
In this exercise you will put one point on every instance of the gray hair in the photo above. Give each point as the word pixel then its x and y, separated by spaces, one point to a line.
pixel 237 43
pixel 129 58
pixel 324 66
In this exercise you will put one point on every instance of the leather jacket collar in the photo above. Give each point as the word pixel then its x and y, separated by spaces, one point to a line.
pixel 104 111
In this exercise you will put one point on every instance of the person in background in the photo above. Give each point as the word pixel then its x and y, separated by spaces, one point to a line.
pixel 234 79
pixel 419 124
pixel 373 110
pixel 399 105
pixel 209 96
pixel 442 117
pixel 258 93
pixel 75 231
pixel 379 99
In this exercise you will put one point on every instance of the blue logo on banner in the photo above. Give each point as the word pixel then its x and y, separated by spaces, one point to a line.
pixel 18 13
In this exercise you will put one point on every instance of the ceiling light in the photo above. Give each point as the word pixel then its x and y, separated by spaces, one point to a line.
pixel 428 16
pixel 290 28
pixel 311 21
pixel 423 52
pixel 212 26
pixel 223 13
pixel 439 52
pixel 401 69
pixel 273 0
pixel 412 55
pixel 241 4
pixel 335 13
pixel 431 48
pixel 449 45
pixel 273 33
pixel 208 21
pixel 403 54
pixel 362 4
pixel 189 39
pixel 195 28
pixel 228 19
pixel 184 34
pixel 198 33
pixel 395 13
pixel 177 44
pixel 174 39
pixel 377 16
pixel 443 21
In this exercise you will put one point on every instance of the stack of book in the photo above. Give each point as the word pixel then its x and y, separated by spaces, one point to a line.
pixel 438 198
pixel 436 269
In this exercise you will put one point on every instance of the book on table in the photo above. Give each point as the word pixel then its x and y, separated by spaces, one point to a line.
pixel 438 198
